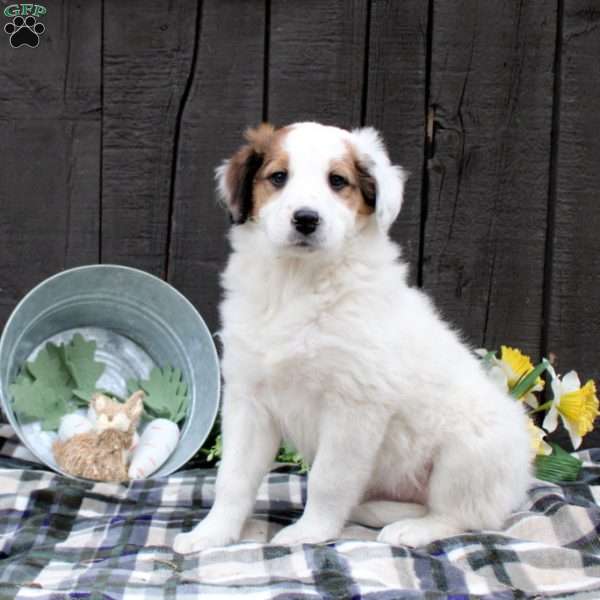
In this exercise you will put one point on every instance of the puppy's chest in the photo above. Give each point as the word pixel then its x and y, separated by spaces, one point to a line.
pixel 298 325
pixel 289 349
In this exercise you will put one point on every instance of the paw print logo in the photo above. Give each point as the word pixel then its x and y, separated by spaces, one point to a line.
pixel 24 32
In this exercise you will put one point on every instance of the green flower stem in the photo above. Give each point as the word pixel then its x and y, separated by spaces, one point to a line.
pixel 542 407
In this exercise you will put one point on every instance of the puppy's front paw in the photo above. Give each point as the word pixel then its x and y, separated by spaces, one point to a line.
pixel 298 533
pixel 201 538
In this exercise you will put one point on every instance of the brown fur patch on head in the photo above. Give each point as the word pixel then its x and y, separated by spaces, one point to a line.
pixel 259 138
pixel 246 168
pixel 359 194
pixel 275 159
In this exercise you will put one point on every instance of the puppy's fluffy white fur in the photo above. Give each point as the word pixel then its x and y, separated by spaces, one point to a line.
pixel 327 346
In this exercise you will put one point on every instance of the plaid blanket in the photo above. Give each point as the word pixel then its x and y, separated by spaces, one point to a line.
pixel 66 539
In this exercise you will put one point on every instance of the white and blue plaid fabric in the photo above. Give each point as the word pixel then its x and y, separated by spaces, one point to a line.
pixel 60 538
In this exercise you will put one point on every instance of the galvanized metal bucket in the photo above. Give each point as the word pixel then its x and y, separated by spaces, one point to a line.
pixel 138 321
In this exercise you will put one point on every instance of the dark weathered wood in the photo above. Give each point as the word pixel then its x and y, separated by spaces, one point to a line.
pixel 148 48
pixel 226 96
pixel 491 97
pixel 316 61
pixel 395 103
pixel 178 89
pixel 574 320
pixel 574 286
pixel 49 165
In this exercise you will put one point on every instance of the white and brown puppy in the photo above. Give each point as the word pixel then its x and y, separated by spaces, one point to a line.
pixel 327 346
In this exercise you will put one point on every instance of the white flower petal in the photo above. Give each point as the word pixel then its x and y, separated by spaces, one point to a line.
pixel 575 439
pixel 570 382
pixel 531 400
pixel 545 448
pixel 557 390
pixel 551 420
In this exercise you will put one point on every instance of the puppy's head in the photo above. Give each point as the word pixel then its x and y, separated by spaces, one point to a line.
pixel 308 186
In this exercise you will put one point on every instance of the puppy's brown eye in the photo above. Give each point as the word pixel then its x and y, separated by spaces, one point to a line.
pixel 337 182
pixel 278 178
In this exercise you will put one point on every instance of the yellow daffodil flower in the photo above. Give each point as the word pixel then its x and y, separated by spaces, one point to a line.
pixel 517 365
pixel 538 445
pixel 510 368
pixel 576 405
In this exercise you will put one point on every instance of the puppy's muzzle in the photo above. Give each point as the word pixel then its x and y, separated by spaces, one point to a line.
pixel 305 220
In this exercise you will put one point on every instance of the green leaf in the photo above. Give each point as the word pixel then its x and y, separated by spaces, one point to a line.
pixel 35 401
pixel 215 451
pixel 84 370
pixel 558 467
pixel 133 385
pixel 56 381
pixel 288 454
pixel 49 370
pixel 24 376
pixel 526 383
pixel 166 394
pixel 82 397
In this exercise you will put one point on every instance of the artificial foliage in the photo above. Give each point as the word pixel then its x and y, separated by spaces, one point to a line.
pixel 84 370
pixel 166 394
pixel 49 370
pixel 36 401
pixel 59 379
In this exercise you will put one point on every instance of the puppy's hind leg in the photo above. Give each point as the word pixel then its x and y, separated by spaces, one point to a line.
pixel 379 513
pixel 471 487
pixel 437 519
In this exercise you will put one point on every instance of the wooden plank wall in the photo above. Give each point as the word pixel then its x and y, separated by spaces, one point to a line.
pixel 112 127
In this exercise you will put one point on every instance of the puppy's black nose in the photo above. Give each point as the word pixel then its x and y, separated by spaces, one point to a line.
pixel 305 220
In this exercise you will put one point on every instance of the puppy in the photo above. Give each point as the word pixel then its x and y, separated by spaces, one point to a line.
pixel 327 346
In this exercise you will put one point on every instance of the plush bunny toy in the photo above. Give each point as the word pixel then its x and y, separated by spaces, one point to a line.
pixel 101 452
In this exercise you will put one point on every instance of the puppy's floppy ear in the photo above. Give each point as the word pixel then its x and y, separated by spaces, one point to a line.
pixel 235 177
pixel 381 183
